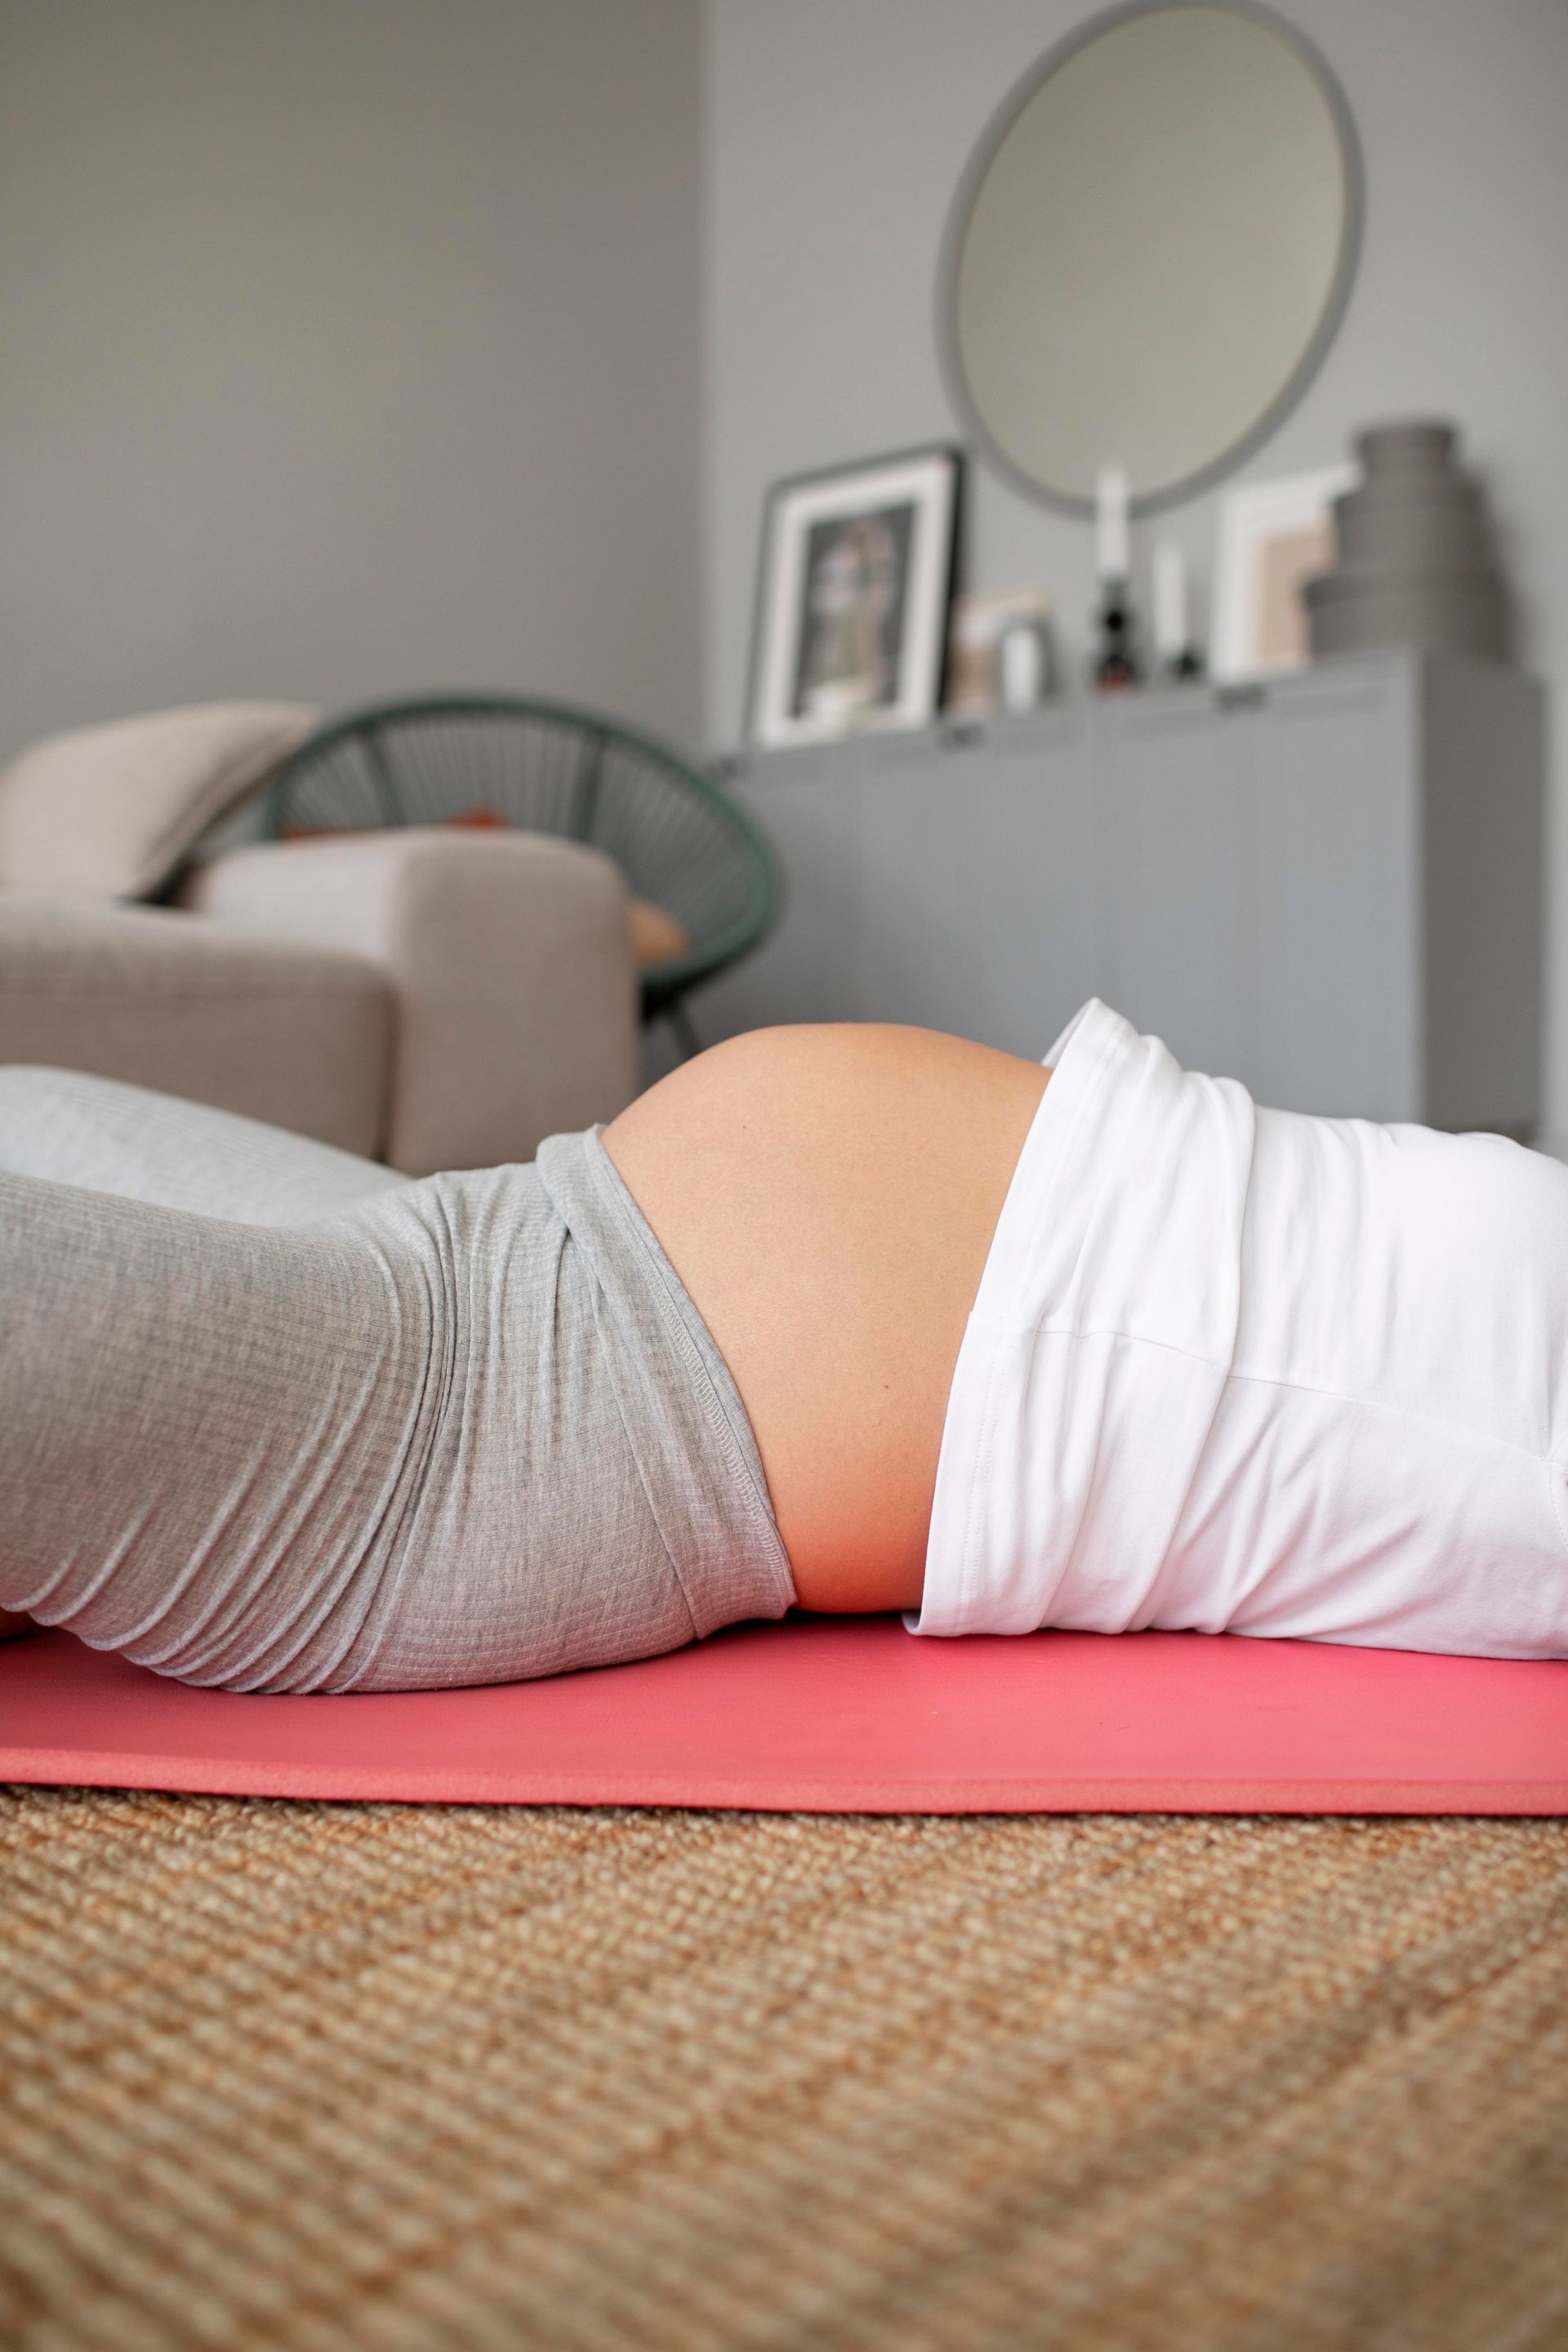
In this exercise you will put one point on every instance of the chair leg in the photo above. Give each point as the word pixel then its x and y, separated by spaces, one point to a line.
pixel 681 1028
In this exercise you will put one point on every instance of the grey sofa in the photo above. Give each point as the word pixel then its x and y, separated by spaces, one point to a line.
pixel 434 999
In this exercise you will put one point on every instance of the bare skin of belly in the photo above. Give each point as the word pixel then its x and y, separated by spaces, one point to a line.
pixel 828 1195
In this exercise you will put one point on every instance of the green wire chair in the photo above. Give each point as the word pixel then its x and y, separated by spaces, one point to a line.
pixel 550 767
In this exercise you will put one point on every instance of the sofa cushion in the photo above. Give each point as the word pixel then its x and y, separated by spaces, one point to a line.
pixel 657 936
pixel 110 812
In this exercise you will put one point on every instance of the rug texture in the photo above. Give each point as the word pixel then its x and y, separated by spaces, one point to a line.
pixel 290 2074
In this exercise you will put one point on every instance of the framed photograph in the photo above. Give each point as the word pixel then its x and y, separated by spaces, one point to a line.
pixel 1273 536
pixel 852 598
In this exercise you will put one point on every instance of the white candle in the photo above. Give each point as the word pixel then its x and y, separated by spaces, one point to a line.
pixel 1023 665
pixel 1111 523
pixel 1169 603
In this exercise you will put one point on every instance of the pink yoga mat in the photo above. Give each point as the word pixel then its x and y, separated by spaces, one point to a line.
pixel 847 1715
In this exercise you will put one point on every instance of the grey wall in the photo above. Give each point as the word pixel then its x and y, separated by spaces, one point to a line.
pixel 347 346
pixel 836 130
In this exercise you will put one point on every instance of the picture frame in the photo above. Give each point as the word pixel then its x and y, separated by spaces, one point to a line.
pixel 854 588
pixel 1273 536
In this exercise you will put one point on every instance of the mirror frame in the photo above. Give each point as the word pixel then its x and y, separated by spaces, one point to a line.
pixel 973 177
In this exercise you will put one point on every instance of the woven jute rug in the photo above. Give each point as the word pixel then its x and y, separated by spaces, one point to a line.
pixel 332 2076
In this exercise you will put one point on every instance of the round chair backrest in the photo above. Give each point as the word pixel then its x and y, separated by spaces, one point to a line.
pixel 547 767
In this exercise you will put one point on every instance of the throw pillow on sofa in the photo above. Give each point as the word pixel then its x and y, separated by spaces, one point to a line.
pixel 110 812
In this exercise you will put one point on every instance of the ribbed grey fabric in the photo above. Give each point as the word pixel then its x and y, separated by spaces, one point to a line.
pixel 465 1430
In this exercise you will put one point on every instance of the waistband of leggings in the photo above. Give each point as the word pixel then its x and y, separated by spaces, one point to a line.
pixel 684 1418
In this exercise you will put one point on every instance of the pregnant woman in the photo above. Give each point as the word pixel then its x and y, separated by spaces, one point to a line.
pixel 847 1318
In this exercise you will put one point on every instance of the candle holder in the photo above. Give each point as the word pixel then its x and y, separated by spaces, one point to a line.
pixel 1176 659
pixel 1115 666
pixel 1115 663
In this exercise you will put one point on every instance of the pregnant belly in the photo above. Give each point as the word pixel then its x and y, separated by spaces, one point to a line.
pixel 828 1195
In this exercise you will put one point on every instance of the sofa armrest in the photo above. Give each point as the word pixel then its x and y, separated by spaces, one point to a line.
pixel 295 1035
pixel 510 964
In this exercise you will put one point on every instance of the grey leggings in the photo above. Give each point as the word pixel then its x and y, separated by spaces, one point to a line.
pixel 275 1419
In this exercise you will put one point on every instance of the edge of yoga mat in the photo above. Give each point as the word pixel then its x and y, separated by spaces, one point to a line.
pixel 844 1716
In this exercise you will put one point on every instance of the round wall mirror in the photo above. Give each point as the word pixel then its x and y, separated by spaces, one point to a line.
pixel 1150 251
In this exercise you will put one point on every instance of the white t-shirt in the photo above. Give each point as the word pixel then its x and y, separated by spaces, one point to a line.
pixel 1234 1368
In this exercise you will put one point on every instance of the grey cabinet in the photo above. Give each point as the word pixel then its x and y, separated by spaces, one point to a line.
pixel 971 913
pixel 1171 784
pixel 1329 886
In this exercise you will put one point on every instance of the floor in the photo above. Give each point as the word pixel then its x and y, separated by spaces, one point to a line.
pixel 332 2076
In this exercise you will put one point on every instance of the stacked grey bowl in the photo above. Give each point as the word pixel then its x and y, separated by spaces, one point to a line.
pixel 1415 564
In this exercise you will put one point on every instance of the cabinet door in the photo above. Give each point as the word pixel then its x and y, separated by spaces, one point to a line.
pixel 1335 958
pixel 976 900
pixel 1174 812
pixel 804 802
